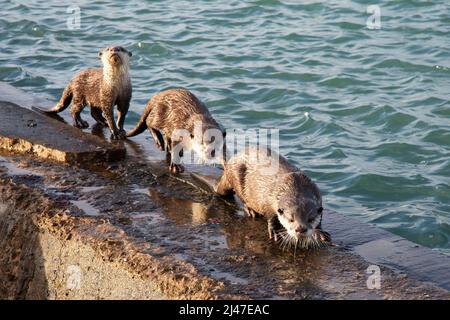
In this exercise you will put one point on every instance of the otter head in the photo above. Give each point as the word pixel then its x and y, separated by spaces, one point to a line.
pixel 208 141
pixel 115 56
pixel 299 210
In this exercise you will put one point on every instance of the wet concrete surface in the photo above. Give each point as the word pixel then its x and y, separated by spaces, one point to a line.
pixel 193 244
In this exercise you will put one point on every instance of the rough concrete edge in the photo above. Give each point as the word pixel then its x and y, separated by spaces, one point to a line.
pixel 380 246
pixel 174 278
pixel 22 146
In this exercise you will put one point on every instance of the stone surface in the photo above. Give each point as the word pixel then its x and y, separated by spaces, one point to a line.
pixel 25 131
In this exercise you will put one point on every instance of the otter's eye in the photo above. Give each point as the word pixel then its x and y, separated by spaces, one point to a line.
pixel 291 220
pixel 280 211
pixel 320 210
pixel 311 220
pixel 192 136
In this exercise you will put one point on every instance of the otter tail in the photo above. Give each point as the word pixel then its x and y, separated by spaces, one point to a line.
pixel 142 124
pixel 63 103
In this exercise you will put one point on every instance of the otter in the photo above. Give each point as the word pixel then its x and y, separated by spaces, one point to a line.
pixel 270 186
pixel 101 89
pixel 172 112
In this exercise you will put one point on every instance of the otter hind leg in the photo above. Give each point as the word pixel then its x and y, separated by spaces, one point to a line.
pixel 76 110
pixel 122 110
pixel 97 114
pixel 159 140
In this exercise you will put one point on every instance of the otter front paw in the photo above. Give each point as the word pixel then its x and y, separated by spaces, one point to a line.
pixel 273 234
pixel 274 227
pixel 176 168
pixel 252 213
pixel 322 236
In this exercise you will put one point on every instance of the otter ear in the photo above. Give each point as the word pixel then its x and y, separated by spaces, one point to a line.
pixel 320 210
pixel 100 54
pixel 280 211
pixel 130 53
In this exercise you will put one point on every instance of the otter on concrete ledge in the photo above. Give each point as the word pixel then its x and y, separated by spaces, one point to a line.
pixel 270 186
pixel 179 109
pixel 101 90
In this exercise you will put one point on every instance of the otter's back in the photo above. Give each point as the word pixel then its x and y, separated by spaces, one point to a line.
pixel 254 174
pixel 177 109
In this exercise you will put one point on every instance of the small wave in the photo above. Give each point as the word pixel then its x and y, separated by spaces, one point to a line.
pixel 346 25
pixel 10 72
pixel 402 152
pixel 377 116
pixel 440 137
pixel 370 187
pixel 405 65
pixel 344 82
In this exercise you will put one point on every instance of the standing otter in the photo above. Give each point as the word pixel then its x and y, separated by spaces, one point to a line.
pixel 101 89
pixel 270 186
pixel 172 112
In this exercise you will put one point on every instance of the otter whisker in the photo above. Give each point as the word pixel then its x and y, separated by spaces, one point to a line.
pixel 293 241
pixel 316 244
pixel 284 240
pixel 290 241
pixel 295 249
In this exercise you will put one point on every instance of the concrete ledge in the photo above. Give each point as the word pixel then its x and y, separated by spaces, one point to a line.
pixel 42 242
pixel 384 248
pixel 25 131
pixel 132 230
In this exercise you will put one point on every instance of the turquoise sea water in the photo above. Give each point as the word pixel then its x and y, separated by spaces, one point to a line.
pixel 364 112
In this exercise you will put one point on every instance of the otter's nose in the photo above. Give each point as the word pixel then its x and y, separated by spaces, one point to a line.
pixel 301 230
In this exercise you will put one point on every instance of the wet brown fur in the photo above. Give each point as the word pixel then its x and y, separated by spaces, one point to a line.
pixel 100 89
pixel 169 110
pixel 261 193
